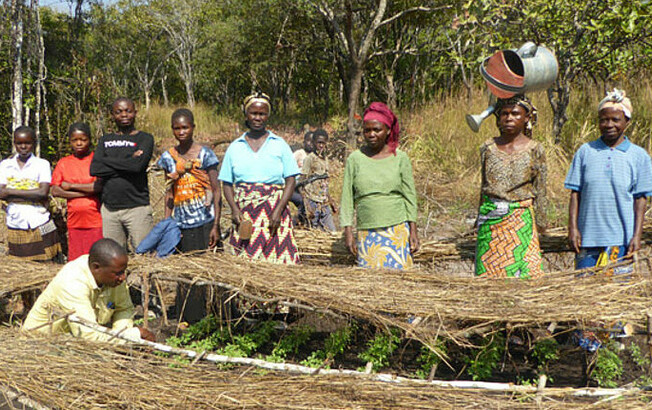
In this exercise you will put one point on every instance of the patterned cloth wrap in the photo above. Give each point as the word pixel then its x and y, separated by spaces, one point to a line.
pixel 508 241
pixel 387 248
pixel 602 256
pixel 593 340
pixel 24 184
pixel 256 202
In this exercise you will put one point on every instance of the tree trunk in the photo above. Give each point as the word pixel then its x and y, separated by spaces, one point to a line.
pixel 354 95
pixel 17 85
pixel 559 98
pixel 147 91
pixel 391 90
pixel 40 80
pixel 164 90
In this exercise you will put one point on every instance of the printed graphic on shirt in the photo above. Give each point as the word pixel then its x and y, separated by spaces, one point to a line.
pixel 22 184
pixel 119 143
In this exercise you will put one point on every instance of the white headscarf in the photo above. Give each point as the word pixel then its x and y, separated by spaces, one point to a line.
pixel 617 99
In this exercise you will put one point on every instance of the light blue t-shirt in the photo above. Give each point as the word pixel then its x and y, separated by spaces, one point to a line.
pixel 608 180
pixel 270 165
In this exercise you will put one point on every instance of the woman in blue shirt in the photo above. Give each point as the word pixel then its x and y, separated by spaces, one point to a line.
pixel 258 177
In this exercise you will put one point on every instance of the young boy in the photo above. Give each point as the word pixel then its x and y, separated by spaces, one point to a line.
pixel 121 161
pixel 314 178
pixel 24 184
pixel 72 180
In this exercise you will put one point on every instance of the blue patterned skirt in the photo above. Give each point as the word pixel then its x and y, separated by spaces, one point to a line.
pixel 387 248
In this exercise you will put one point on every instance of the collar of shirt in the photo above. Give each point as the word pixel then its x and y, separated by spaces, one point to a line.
pixel 87 271
pixel 623 146
pixel 270 135
pixel 14 161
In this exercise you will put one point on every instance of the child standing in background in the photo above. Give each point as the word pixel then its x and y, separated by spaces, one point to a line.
pixel 314 178
pixel 72 180
pixel 24 185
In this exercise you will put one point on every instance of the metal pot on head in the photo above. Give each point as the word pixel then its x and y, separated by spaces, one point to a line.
pixel 511 72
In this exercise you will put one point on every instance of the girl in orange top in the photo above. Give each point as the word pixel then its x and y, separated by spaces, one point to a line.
pixel 72 180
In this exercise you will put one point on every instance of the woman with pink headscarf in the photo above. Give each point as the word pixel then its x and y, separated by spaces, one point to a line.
pixel 379 188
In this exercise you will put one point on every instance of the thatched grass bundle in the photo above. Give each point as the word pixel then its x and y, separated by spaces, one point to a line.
pixel 321 247
pixel 448 305
pixel 70 373
pixel 17 275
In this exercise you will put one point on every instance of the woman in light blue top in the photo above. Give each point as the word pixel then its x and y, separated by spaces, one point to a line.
pixel 258 177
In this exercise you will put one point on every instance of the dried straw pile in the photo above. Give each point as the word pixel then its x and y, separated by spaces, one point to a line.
pixel 448 304
pixel 69 373
pixel 18 275
pixel 329 248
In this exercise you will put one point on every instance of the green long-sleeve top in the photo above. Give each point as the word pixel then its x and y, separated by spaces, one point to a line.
pixel 381 190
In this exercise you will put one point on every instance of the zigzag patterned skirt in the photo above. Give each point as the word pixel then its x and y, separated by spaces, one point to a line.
pixel 508 241
pixel 256 202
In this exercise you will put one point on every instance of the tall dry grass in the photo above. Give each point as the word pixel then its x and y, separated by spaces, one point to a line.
pixel 211 125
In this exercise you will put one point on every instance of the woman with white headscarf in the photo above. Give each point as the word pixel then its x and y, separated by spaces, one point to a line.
pixel 610 179
pixel 258 177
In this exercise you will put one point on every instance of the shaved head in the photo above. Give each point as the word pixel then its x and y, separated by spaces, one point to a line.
pixel 104 251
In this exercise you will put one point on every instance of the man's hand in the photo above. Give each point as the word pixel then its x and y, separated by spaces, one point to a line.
pixel 138 153
pixel 146 334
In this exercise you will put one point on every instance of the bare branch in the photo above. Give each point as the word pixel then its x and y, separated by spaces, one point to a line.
pixel 411 10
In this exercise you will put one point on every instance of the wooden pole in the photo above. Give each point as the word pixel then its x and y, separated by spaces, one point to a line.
pixel 164 308
pixel 145 290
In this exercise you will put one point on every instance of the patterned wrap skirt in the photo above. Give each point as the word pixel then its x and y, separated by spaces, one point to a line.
pixel 508 241
pixel 38 244
pixel 387 248
pixel 256 202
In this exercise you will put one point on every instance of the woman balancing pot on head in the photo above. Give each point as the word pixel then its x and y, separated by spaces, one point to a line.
pixel 379 186
pixel 258 177
pixel 513 187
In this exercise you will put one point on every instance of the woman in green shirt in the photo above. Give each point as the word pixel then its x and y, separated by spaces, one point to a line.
pixel 378 185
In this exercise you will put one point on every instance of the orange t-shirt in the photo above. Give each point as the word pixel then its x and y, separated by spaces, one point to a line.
pixel 82 212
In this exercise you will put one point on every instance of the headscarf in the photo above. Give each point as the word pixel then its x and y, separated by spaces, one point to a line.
pixel 522 101
pixel 617 99
pixel 257 97
pixel 380 112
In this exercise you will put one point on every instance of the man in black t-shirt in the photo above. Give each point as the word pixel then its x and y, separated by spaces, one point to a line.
pixel 121 160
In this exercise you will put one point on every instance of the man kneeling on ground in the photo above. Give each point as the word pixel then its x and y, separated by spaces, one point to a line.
pixel 92 287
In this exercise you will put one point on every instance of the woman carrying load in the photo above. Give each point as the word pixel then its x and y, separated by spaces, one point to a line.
pixel 378 185
pixel 513 191
pixel 258 177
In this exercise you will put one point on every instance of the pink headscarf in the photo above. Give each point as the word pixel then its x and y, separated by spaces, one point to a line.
pixel 381 113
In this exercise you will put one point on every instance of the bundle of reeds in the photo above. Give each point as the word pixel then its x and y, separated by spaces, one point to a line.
pixel 17 275
pixel 445 305
pixel 322 247
pixel 71 373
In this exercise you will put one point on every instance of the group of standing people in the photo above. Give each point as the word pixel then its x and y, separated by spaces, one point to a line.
pixel 610 180
pixel 108 195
